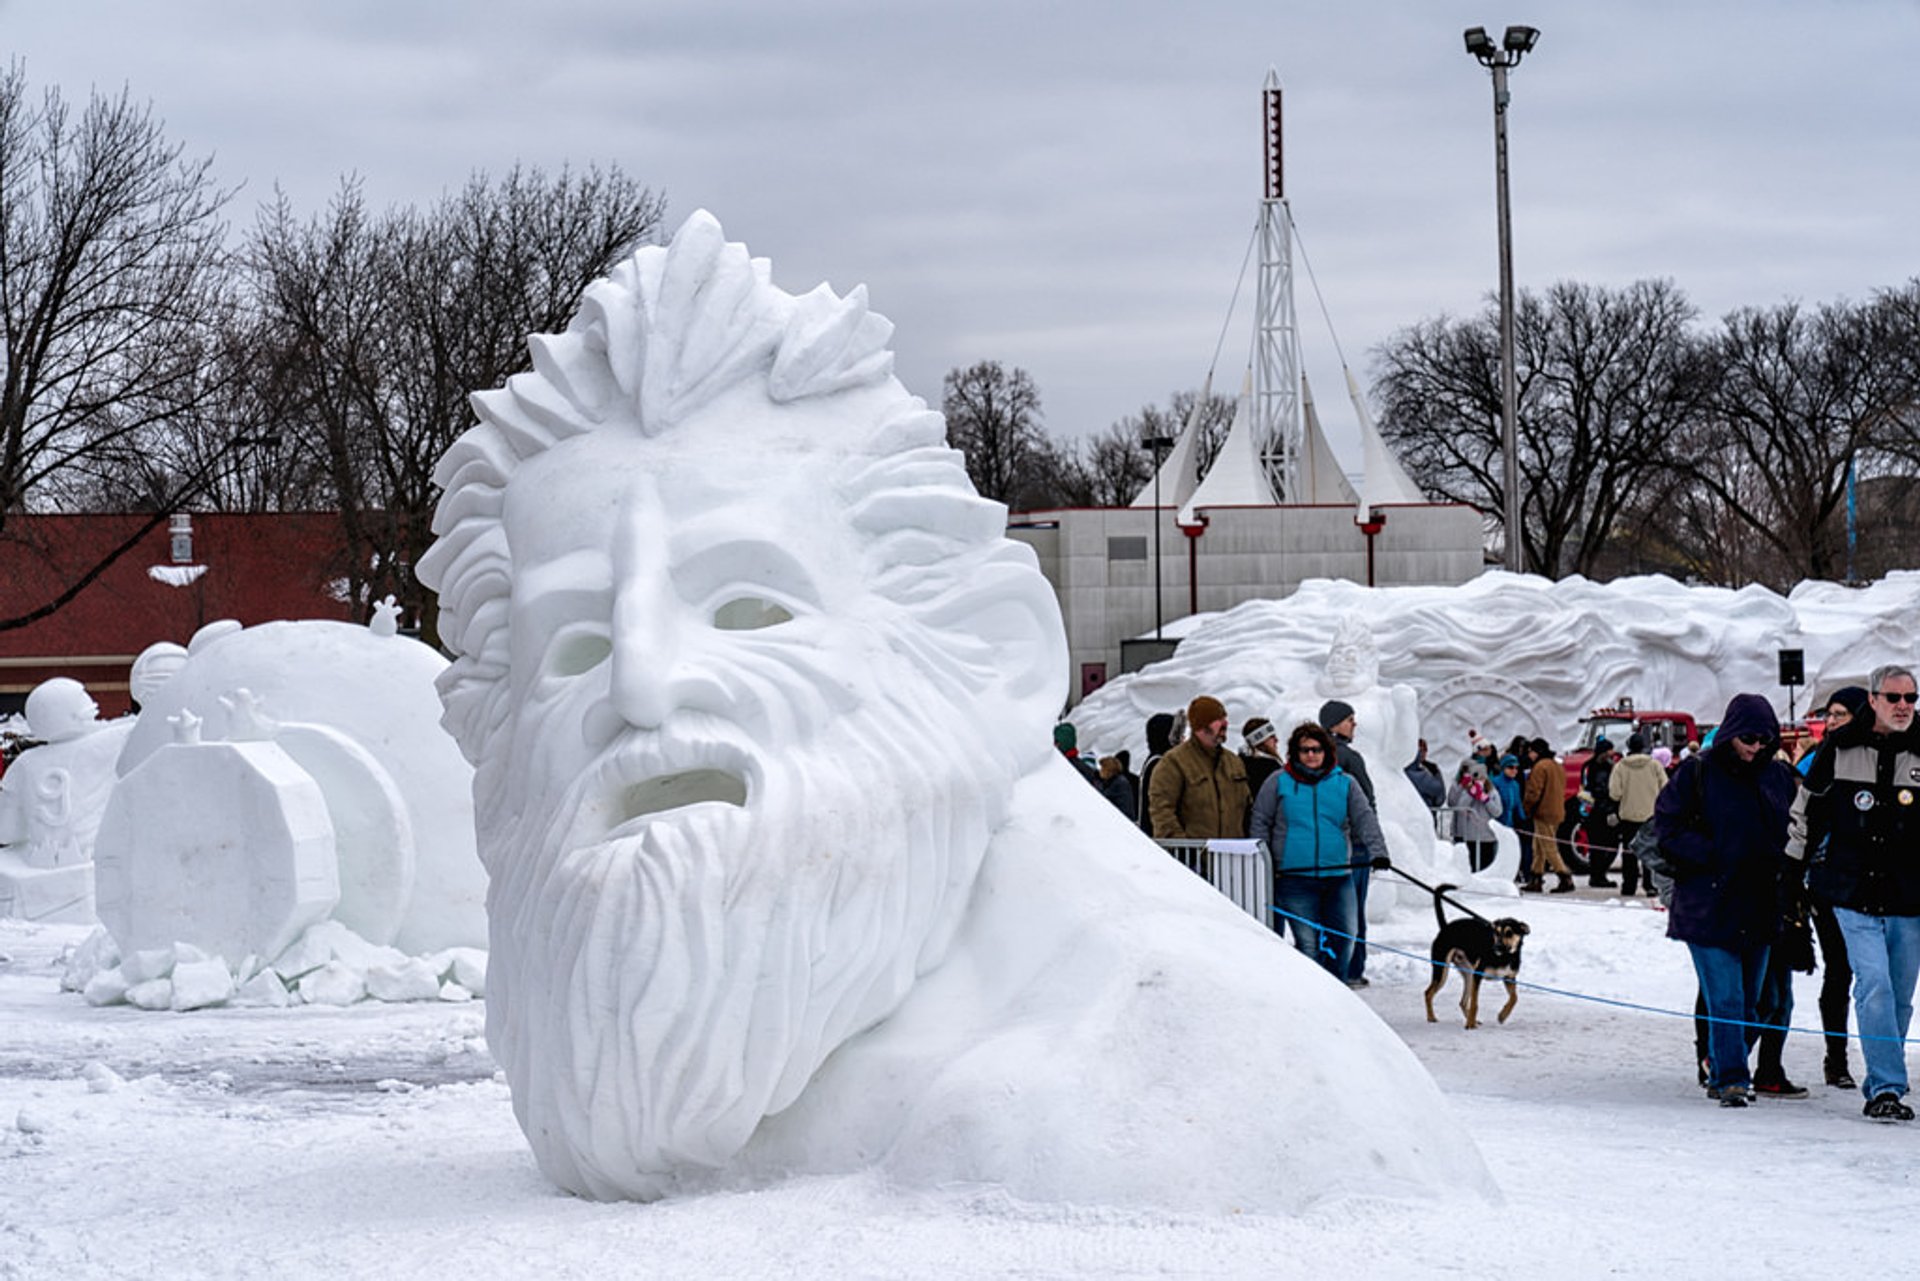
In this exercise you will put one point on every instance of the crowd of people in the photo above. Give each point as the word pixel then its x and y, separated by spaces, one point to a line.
pixel 1754 854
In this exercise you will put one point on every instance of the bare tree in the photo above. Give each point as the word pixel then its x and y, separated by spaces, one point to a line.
pixel 1797 396
pixel 382 324
pixel 993 417
pixel 112 284
pixel 1606 378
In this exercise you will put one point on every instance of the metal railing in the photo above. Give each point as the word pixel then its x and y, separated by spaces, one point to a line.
pixel 1240 870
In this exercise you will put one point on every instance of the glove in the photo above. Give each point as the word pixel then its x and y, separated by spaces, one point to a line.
pixel 1382 863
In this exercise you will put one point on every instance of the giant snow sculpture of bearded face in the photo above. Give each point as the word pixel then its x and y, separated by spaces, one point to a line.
pixel 713 581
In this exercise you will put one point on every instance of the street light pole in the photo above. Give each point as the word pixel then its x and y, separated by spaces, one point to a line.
pixel 1157 444
pixel 1517 42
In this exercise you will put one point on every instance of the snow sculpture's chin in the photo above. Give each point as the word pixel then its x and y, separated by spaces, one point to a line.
pixel 656 993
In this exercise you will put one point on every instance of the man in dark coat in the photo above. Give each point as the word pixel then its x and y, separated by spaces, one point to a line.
pixel 1857 827
pixel 1722 828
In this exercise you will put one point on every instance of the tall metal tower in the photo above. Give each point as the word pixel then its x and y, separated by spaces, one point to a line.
pixel 1276 347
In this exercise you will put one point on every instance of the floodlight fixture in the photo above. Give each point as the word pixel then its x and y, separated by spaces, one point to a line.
pixel 1520 40
pixel 1479 43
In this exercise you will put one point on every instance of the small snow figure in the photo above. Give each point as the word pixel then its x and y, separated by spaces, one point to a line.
pixel 386 617
pixel 186 727
pixel 246 721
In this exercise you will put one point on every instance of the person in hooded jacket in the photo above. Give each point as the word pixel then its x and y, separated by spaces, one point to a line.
pixel 1159 743
pixel 1509 783
pixel 1836 975
pixel 1722 828
pixel 1316 823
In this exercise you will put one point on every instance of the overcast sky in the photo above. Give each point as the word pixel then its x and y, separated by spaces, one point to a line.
pixel 1070 187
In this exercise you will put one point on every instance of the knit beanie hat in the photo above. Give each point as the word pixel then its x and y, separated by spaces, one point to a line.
pixel 1205 710
pixel 1636 743
pixel 1064 737
pixel 1333 711
pixel 1257 731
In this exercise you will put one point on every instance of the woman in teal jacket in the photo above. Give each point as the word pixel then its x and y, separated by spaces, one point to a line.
pixel 1315 822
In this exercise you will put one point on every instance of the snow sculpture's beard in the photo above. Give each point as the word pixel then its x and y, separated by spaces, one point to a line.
pixel 655 991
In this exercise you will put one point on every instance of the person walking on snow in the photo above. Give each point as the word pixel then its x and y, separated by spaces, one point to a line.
pixel 1722 828
pixel 1857 830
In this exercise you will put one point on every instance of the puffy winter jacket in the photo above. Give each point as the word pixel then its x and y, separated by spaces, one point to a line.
pixel 1199 794
pixel 1859 815
pixel 1636 784
pixel 1307 821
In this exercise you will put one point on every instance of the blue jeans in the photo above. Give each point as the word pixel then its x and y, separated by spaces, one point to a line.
pixel 1326 901
pixel 1885 954
pixel 1730 982
pixel 1358 965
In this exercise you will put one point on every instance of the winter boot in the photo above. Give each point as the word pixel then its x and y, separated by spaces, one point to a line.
pixel 1564 887
pixel 1532 885
pixel 1838 1076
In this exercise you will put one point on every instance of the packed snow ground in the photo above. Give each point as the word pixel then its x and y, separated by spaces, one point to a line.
pixel 377 1141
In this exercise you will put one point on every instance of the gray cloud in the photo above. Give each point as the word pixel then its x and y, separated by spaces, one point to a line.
pixel 1069 187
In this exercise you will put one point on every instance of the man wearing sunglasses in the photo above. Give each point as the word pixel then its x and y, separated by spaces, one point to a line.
pixel 1722 831
pixel 1857 826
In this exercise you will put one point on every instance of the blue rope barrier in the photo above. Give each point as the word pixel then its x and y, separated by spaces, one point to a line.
pixel 1373 946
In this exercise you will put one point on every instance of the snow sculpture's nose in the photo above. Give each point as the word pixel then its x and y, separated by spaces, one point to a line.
pixel 647 612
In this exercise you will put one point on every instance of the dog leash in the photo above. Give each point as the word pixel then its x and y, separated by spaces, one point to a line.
pixel 1439 892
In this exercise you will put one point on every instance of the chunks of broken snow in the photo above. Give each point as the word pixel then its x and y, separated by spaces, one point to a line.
pixel 327 965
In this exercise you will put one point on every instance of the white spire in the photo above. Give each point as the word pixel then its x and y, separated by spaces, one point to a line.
pixel 1236 478
pixel 1384 480
pixel 1321 479
pixel 1180 472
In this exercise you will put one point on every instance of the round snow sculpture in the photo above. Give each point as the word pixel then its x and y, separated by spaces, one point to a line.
pixel 362 705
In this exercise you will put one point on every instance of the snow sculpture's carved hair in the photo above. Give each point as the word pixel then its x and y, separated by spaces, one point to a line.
pixel 662 336
pixel 653 997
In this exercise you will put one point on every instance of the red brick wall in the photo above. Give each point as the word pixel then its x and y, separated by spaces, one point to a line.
pixel 259 568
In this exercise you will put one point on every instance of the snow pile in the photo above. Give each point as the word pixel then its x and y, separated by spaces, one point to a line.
pixel 327 965
pixel 1510 654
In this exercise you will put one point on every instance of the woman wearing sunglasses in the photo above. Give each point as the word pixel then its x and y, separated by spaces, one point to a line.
pixel 1315 822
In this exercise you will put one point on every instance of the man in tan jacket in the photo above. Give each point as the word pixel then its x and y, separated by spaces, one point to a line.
pixel 1546 800
pixel 1635 785
pixel 1199 791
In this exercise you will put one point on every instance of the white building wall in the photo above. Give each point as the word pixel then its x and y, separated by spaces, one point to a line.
pixel 1101 563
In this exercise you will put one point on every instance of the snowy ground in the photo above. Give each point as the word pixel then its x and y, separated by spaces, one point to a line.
pixel 375 1141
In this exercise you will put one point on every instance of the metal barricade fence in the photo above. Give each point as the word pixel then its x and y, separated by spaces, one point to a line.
pixel 1239 869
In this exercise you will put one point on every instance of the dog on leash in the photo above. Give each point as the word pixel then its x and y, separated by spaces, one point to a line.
pixel 1479 949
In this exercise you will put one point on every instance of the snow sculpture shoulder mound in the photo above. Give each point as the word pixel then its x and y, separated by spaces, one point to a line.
pixel 350 714
pixel 713 580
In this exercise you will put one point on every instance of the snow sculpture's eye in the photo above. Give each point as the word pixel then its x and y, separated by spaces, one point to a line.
pixel 750 613
pixel 578 653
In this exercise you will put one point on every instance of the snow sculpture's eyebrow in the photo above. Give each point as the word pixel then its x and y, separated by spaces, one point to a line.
pixel 567 588
pixel 757 563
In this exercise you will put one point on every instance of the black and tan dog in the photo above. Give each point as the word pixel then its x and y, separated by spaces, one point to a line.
pixel 1479 949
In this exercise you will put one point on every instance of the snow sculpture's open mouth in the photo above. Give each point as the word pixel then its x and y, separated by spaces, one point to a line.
pixel 677 791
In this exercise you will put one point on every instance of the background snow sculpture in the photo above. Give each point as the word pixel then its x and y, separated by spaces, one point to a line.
pixel 51 800
pixel 1514 654
pixel 714 581
pixel 353 710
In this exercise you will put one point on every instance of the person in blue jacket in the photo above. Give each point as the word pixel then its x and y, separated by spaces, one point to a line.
pixel 1316 822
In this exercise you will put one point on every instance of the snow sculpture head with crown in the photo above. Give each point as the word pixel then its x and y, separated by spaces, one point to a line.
pixel 702 569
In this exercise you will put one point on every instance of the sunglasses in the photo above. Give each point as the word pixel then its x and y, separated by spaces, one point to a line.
pixel 1908 697
pixel 1750 740
pixel 1312 749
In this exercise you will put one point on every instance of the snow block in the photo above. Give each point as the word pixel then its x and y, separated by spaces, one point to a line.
pixel 263 989
pixel 95 954
pixel 244 876
pixel 410 980
pixel 108 987
pixel 151 963
pixel 154 994
pixel 198 984
pixel 333 984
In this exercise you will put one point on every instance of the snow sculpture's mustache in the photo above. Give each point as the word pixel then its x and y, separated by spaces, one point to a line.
pixel 689 787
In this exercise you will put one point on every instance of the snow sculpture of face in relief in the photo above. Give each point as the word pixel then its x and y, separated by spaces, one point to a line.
pixel 1353 659
pixel 708 572
pixel 60 710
